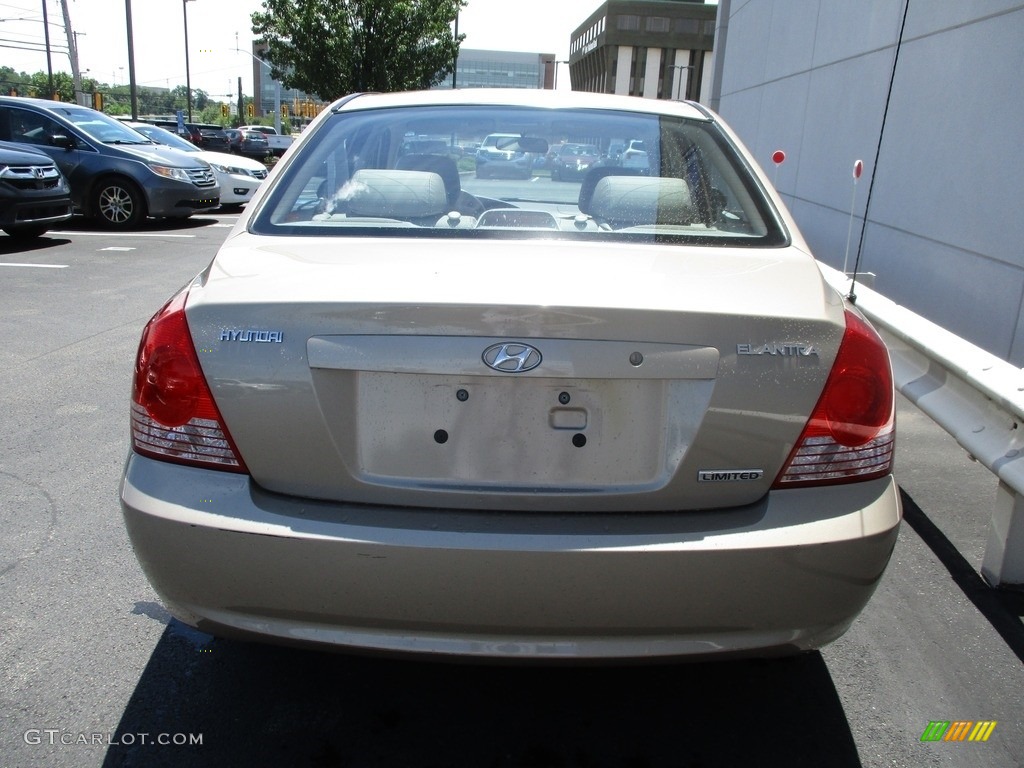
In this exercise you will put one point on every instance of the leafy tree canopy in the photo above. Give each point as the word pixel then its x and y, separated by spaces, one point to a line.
pixel 334 47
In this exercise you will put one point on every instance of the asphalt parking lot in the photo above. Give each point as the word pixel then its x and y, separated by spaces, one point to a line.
pixel 94 672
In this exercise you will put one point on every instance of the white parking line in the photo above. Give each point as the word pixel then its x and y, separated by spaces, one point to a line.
pixel 37 266
pixel 120 234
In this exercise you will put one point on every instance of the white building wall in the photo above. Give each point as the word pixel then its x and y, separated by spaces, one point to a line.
pixel 625 59
pixel 942 232
pixel 681 74
pixel 705 85
pixel 651 73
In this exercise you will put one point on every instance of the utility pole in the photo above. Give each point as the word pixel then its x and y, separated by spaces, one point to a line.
pixel 76 75
pixel 49 63
pixel 455 64
pixel 131 59
pixel 188 76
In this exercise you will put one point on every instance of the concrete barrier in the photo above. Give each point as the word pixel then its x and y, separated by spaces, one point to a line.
pixel 976 397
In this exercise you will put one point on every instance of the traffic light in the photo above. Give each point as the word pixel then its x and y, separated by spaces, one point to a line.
pixel 250 109
pixel 97 101
pixel 284 111
pixel 224 111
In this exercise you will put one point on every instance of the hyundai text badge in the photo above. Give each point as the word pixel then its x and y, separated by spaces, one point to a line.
pixel 511 357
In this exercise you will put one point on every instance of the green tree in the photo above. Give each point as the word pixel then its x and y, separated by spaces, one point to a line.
pixel 63 85
pixel 11 79
pixel 334 47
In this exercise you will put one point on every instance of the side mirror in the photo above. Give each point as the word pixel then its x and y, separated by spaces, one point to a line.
pixel 62 140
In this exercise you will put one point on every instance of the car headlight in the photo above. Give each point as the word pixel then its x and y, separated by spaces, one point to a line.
pixel 230 170
pixel 178 174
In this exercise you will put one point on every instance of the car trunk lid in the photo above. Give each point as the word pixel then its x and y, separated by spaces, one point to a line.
pixel 482 374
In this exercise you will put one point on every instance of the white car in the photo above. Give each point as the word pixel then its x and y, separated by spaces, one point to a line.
pixel 404 410
pixel 239 177
pixel 634 156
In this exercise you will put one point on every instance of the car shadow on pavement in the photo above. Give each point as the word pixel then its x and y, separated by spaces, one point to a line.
pixel 11 245
pixel 84 224
pixel 219 702
pixel 1003 608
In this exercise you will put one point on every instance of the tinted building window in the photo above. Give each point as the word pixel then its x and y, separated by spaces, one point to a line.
pixel 656 24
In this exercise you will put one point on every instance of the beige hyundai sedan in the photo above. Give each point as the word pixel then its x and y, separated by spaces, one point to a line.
pixel 409 410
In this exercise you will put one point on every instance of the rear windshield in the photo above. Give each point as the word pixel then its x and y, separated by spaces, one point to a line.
pixel 490 172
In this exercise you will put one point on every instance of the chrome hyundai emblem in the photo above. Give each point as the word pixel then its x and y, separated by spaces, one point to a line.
pixel 512 357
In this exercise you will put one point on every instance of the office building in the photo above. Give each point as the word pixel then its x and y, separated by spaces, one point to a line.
pixel 657 49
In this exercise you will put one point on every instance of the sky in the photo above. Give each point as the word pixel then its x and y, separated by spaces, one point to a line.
pixel 217 27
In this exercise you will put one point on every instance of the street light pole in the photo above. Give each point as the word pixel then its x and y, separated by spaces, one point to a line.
pixel 188 78
pixel 277 87
pixel 678 78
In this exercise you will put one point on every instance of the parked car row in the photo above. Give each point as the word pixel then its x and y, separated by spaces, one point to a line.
pixel 251 141
pixel 239 177
pixel 506 155
pixel 116 175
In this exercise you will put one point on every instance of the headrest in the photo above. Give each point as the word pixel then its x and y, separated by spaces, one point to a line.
pixel 594 175
pixel 444 167
pixel 626 201
pixel 396 194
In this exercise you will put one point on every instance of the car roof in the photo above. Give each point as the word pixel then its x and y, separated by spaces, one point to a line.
pixel 521 97
pixel 45 104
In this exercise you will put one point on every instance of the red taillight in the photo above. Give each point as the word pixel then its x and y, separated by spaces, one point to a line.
pixel 174 417
pixel 851 434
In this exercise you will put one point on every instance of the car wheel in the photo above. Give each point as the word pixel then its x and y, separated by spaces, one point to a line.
pixel 118 203
pixel 26 233
pixel 555 175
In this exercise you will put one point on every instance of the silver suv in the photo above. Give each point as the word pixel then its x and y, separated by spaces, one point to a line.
pixel 502 154
pixel 117 176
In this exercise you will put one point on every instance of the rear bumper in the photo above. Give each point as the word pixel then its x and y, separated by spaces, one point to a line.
pixel 787 574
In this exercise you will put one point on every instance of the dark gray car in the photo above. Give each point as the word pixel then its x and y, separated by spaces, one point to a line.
pixel 33 194
pixel 117 176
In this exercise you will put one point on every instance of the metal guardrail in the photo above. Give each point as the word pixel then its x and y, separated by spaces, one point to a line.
pixel 976 397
